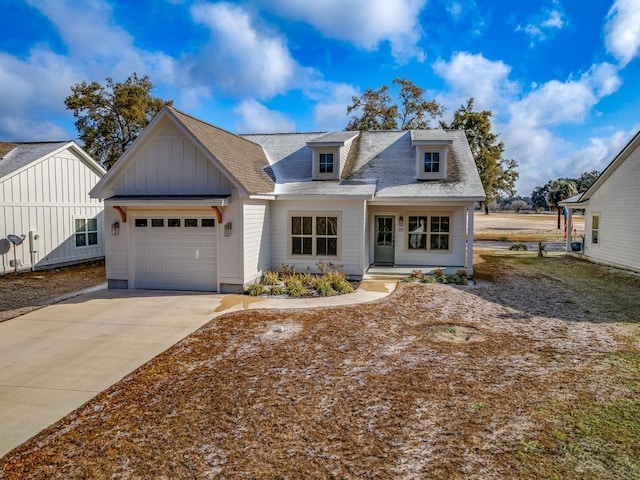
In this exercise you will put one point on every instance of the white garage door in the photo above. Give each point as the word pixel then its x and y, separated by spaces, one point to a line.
pixel 175 252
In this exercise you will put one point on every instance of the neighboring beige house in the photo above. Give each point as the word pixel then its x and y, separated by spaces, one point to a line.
pixel 44 199
pixel 195 207
pixel 612 211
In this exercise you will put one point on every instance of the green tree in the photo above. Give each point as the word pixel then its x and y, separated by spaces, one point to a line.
pixel 539 196
pixel 414 111
pixel 560 190
pixel 375 109
pixel 498 175
pixel 585 180
pixel 110 117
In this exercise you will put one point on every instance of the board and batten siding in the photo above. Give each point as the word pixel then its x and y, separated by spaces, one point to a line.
pixel 351 234
pixel 170 164
pixel 46 198
pixel 256 239
pixel 617 202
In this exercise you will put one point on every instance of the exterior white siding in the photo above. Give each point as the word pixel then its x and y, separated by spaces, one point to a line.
pixel 455 256
pixel 257 242
pixel 47 197
pixel 617 202
pixel 351 234
pixel 170 164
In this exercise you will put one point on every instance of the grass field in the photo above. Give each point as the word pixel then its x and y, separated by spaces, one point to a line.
pixel 530 227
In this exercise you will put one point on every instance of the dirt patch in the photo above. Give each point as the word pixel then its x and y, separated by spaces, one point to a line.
pixel 26 291
pixel 454 333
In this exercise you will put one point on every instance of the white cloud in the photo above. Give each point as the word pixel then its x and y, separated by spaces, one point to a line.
pixel 33 88
pixel 622 30
pixel 239 59
pixel 256 118
pixel 475 76
pixel 528 134
pixel 330 112
pixel 363 25
pixel 544 23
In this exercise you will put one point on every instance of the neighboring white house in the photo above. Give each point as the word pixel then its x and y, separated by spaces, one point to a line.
pixel 196 207
pixel 612 211
pixel 44 199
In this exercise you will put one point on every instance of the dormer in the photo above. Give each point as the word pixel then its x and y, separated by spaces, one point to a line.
pixel 330 153
pixel 432 147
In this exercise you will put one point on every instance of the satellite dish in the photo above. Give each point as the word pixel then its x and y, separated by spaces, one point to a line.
pixel 5 245
pixel 15 239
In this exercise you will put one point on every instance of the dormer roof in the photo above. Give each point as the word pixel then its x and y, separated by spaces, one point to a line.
pixel 333 139
pixel 430 137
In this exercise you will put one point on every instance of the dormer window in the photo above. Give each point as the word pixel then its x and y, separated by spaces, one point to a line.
pixel 432 162
pixel 432 148
pixel 326 163
pixel 329 154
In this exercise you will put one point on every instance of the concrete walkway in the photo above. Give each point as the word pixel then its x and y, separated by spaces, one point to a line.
pixel 55 359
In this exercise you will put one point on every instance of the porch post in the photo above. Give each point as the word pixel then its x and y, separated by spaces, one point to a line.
pixel 569 230
pixel 469 266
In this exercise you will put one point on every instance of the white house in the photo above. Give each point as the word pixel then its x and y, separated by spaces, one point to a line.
pixel 612 211
pixel 196 207
pixel 44 201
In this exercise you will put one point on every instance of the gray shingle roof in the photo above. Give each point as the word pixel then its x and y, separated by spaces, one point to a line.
pixel 333 138
pixel 433 135
pixel 243 159
pixel 22 154
pixel 384 164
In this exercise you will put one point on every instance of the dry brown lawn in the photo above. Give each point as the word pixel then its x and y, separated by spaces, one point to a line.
pixel 26 291
pixel 435 381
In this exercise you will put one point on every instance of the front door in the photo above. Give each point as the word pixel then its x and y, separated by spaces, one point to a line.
pixel 384 250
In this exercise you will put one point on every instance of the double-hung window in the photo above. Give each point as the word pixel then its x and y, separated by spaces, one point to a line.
pixel 595 228
pixel 86 232
pixel 314 235
pixel 429 232
pixel 431 162
pixel 326 162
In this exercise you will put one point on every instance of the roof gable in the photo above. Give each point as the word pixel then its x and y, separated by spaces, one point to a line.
pixel 241 161
pixel 24 154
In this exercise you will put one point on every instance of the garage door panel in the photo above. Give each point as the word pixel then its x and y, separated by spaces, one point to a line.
pixel 176 258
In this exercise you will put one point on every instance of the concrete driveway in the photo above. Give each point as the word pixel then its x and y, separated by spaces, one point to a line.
pixel 55 359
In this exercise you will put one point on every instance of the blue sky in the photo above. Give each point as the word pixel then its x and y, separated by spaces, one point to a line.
pixel 561 77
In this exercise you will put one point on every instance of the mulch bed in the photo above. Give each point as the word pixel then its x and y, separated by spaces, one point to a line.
pixel 434 381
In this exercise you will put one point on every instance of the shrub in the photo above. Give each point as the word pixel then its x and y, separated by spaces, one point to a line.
pixel 438 272
pixel 270 278
pixel 417 274
pixel 306 278
pixel 541 249
pixel 276 290
pixel 286 270
pixel 429 279
pixel 326 267
pixel 462 273
pixel 518 246
pixel 255 289
pixel 343 287
pixel 324 288
pixel 295 288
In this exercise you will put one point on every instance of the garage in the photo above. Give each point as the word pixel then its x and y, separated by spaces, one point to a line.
pixel 175 252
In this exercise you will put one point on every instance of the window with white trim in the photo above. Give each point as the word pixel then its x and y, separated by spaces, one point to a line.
pixel 429 232
pixel 86 232
pixel 431 162
pixel 595 228
pixel 314 235
pixel 326 162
